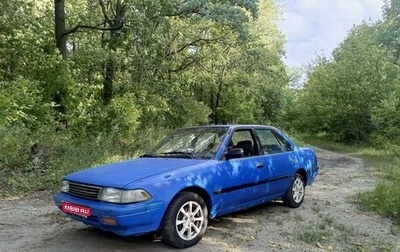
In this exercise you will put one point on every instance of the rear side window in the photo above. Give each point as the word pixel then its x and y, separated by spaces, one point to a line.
pixel 272 142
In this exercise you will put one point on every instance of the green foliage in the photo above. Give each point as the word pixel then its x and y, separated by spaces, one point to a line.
pixel 386 116
pixel 90 118
pixel 22 104
pixel 36 162
pixel 25 37
pixel 341 96
pixel 14 149
pixel 354 96
pixel 167 50
pixel 169 64
pixel 121 117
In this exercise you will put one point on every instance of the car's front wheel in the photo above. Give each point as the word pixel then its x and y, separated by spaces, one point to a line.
pixel 185 220
pixel 295 194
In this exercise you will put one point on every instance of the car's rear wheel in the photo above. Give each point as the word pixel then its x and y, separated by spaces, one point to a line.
pixel 295 194
pixel 185 220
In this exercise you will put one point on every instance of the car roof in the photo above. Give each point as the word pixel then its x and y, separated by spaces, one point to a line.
pixel 234 126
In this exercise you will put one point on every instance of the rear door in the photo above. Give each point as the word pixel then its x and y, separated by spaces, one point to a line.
pixel 278 159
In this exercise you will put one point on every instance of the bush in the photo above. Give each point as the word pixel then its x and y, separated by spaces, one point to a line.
pixel 92 119
pixel 387 118
pixel 14 148
pixel 121 117
pixel 26 156
pixel 22 105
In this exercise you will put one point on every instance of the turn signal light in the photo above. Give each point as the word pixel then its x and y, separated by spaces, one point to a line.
pixel 109 221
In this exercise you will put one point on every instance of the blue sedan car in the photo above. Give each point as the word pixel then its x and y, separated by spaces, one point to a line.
pixel 191 176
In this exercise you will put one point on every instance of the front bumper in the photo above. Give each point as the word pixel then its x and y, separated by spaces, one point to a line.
pixel 131 219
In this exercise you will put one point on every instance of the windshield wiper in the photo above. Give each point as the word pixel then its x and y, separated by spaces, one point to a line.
pixel 182 153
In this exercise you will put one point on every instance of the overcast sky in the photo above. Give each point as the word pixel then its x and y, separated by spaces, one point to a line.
pixel 316 27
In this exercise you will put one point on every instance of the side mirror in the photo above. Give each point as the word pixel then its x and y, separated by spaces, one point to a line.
pixel 234 153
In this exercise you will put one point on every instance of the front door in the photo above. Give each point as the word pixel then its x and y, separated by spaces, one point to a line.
pixel 242 179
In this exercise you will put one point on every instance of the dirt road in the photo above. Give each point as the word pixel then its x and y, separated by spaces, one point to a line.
pixel 328 220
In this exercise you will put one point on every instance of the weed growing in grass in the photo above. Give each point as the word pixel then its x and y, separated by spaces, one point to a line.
pixel 395 229
pixel 298 218
pixel 278 222
pixel 285 210
pixel 328 220
pixel 227 233
pixel 259 220
pixel 316 208
pixel 393 172
pixel 345 233
pixel 58 217
pixel 373 245
pixel 315 234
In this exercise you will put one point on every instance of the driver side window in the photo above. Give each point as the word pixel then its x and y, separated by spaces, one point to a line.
pixel 243 139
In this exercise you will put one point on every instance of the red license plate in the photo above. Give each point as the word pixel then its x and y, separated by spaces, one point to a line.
pixel 75 209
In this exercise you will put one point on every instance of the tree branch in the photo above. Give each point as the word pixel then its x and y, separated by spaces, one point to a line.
pixel 186 63
pixel 177 14
pixel 97 27
pixel 103 9
pixel 191 44
pixel 170 41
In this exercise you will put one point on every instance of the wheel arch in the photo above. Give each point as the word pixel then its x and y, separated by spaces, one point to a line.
pixel 303 174
pixel 202 193
pixel 194 189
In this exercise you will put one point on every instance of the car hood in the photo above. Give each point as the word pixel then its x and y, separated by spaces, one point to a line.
pixel 120 174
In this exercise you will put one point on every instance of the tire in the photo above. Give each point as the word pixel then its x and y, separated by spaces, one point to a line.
pixel 185 220
pixel 294 196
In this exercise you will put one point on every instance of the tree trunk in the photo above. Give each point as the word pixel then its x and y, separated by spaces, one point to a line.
pixel 59 14
pixel 61 44
pixel 110 64
pixel 109 73
pixel 219 93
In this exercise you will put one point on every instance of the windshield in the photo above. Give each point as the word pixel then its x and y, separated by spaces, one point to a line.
pixel 191 143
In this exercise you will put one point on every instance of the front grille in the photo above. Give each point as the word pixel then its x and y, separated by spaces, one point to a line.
pixel 84 191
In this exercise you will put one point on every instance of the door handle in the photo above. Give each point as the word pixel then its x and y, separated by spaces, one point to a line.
pixel 260 165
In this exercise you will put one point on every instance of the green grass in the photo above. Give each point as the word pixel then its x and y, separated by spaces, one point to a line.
pixel 385 198
pixel 315 235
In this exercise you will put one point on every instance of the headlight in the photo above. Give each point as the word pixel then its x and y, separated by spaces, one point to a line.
pixel 114 195
pixel 65 186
